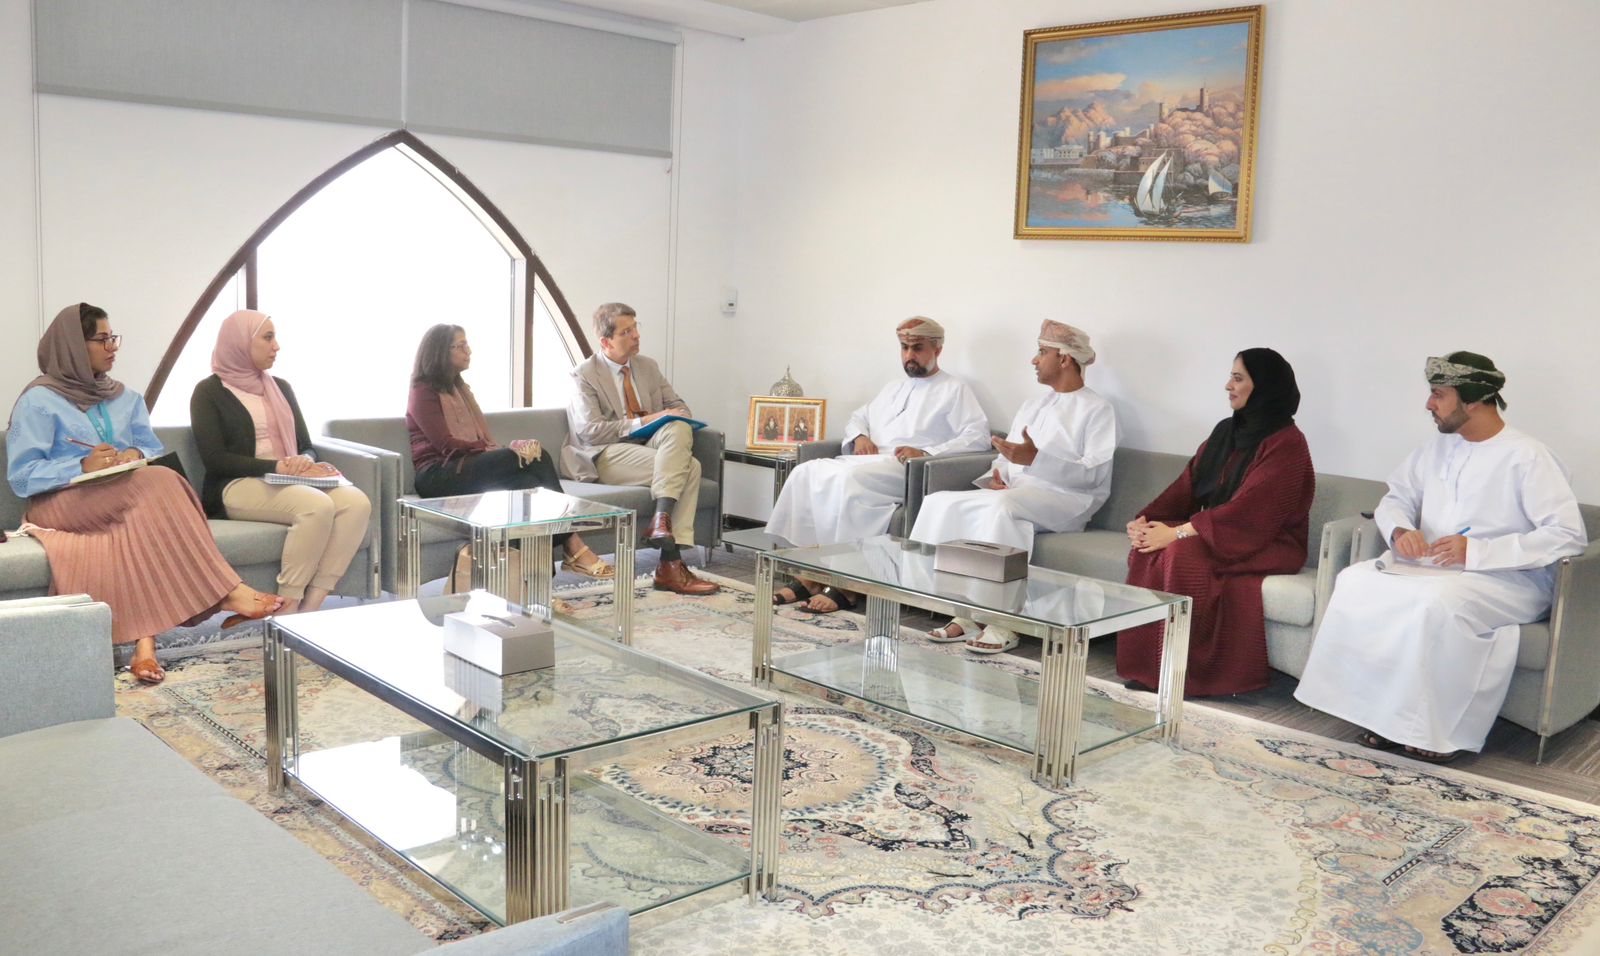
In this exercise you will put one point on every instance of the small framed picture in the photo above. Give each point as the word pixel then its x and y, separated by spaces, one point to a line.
pixel 778 424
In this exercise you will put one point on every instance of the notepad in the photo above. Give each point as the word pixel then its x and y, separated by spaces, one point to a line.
pixel 643 432
pixel 107 472
pixel 1392 563
pixel 314 481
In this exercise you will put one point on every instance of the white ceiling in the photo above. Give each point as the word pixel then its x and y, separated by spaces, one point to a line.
pixel 809 9
pixel 738 18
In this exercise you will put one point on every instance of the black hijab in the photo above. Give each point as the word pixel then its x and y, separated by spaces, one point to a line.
pixel 1233 443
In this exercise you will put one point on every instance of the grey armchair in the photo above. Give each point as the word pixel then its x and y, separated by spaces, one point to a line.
pixel 1557 679
pixel 916 477
pixel 387 439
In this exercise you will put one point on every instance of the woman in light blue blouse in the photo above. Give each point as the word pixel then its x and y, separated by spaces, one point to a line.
pixel 135 538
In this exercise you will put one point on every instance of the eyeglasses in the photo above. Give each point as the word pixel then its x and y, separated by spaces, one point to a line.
pixel 462 346
pixel 107 341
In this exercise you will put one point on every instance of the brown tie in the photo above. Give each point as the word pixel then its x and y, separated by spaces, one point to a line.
pixel 629 395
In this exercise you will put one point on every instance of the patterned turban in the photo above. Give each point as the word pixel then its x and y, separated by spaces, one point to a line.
pixel 920 327
pixel 1070 341
pixel 1473 376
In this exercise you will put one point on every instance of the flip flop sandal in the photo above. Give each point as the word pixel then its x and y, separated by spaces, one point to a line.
pixel 942 635
pixel 1439 758
pixel 1372 741
pixel 595 568
pixel 981 644
pixel 801 594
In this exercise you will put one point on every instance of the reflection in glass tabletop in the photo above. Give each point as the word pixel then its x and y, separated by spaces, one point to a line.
pixel 511 509
pixel 1045 597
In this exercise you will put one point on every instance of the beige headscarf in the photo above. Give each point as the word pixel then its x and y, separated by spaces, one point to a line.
pixel 1072 342
pixel 64 364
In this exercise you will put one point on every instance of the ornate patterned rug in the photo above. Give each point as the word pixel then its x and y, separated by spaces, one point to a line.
pixel 1246 838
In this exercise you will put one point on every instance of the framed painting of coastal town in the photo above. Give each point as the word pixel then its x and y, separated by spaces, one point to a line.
pixel 780 423
pixel 1140 129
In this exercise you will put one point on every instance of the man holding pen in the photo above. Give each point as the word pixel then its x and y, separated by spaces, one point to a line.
pixel 1419 645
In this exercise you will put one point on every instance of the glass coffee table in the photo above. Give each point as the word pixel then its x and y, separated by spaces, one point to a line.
pixel 495 520
pixel 492 785
pixel 1052 718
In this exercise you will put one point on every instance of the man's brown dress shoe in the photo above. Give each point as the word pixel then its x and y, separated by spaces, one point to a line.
pixel 676 576
pixel 660 527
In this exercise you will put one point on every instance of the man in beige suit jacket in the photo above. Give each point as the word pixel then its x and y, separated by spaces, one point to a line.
pixel 618 391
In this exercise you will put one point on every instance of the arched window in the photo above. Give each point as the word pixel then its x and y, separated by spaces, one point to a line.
pixel 357 264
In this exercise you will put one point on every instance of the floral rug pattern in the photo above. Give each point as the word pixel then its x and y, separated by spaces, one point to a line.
pixel 899 839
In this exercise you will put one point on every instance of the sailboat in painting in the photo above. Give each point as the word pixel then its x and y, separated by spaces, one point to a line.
pixel 1218 187
pixel 1150 200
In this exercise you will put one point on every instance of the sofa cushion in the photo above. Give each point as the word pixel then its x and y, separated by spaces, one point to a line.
pixel 211 875
pixel 1290 598
pixel 23 566
pixel 245 543
pixel 1533 651
pixel 1095 554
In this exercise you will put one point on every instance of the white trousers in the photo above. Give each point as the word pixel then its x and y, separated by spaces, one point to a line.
pixel 831 500
pixel 1423 661
pixel 1008 516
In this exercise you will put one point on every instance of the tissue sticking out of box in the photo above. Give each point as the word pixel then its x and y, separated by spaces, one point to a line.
pixel 499 641
pixel 981 559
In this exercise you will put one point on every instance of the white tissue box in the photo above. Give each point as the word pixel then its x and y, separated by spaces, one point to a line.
pixel 981 559
pixel 501 642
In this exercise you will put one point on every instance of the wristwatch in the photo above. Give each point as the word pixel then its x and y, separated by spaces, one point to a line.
pixel 1184 534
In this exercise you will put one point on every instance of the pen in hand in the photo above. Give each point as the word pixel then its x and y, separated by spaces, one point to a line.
pixel 77 442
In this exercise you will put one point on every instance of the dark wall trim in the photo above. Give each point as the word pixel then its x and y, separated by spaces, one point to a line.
pixel 245 257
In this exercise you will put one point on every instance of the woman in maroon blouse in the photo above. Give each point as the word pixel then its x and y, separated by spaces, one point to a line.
pixel 453 452
pixel 1239 512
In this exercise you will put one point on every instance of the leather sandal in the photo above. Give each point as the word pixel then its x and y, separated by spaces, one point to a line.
pixel 799 593
pixel 984 643
pixel 842 601
pixel 1429 756
pixel 1372 741
pixel 953 633
pixel 262 610
pixel 594 567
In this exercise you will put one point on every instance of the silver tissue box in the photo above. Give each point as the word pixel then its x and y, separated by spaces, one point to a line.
pixel 980 559
pixel 501 641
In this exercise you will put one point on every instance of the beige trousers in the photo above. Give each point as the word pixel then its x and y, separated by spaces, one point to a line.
pixel 326 528
pixel 667 464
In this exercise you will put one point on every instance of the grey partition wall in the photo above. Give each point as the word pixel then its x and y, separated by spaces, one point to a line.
pixel 480 73
pixel 325 59
pixel 420 64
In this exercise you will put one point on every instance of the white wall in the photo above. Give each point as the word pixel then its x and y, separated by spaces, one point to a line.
pixel 19 263
pixel 1425 180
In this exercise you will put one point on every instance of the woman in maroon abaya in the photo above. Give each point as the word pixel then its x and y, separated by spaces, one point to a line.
pixel 1238 513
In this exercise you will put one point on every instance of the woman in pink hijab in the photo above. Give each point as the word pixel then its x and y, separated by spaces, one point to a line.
pixel 247 426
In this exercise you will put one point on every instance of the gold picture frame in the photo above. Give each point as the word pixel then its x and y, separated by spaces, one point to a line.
pixel 777 423
pixel 1141 128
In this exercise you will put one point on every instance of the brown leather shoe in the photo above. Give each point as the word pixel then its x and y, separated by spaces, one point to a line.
pixel 676 576
pixel 660 527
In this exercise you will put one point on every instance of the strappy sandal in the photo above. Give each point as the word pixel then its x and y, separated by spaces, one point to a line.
pixel 943 635
pixel 982 644
pixel 147 670
pixel 842 601
pixel 1372 741
pixel 595 567
pixel 261 611
pixel 799 593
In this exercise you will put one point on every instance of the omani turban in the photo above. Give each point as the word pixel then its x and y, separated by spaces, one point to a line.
pixel 920 327
pixel 1068 340
pixel 1473 376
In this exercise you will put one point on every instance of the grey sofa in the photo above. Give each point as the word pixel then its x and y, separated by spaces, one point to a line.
pixel 111 842
pixel 254 548
pixel 387 439
pixel 1543 698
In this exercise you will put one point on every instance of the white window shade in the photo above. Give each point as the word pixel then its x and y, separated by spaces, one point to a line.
pixel 324 59
pixel 479 73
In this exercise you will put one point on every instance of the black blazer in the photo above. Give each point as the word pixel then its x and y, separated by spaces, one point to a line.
pixel 226 437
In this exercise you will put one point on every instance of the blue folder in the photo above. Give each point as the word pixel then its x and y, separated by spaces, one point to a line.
pixel 643 432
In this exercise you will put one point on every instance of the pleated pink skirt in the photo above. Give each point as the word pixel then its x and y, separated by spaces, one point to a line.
pixel 140 543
